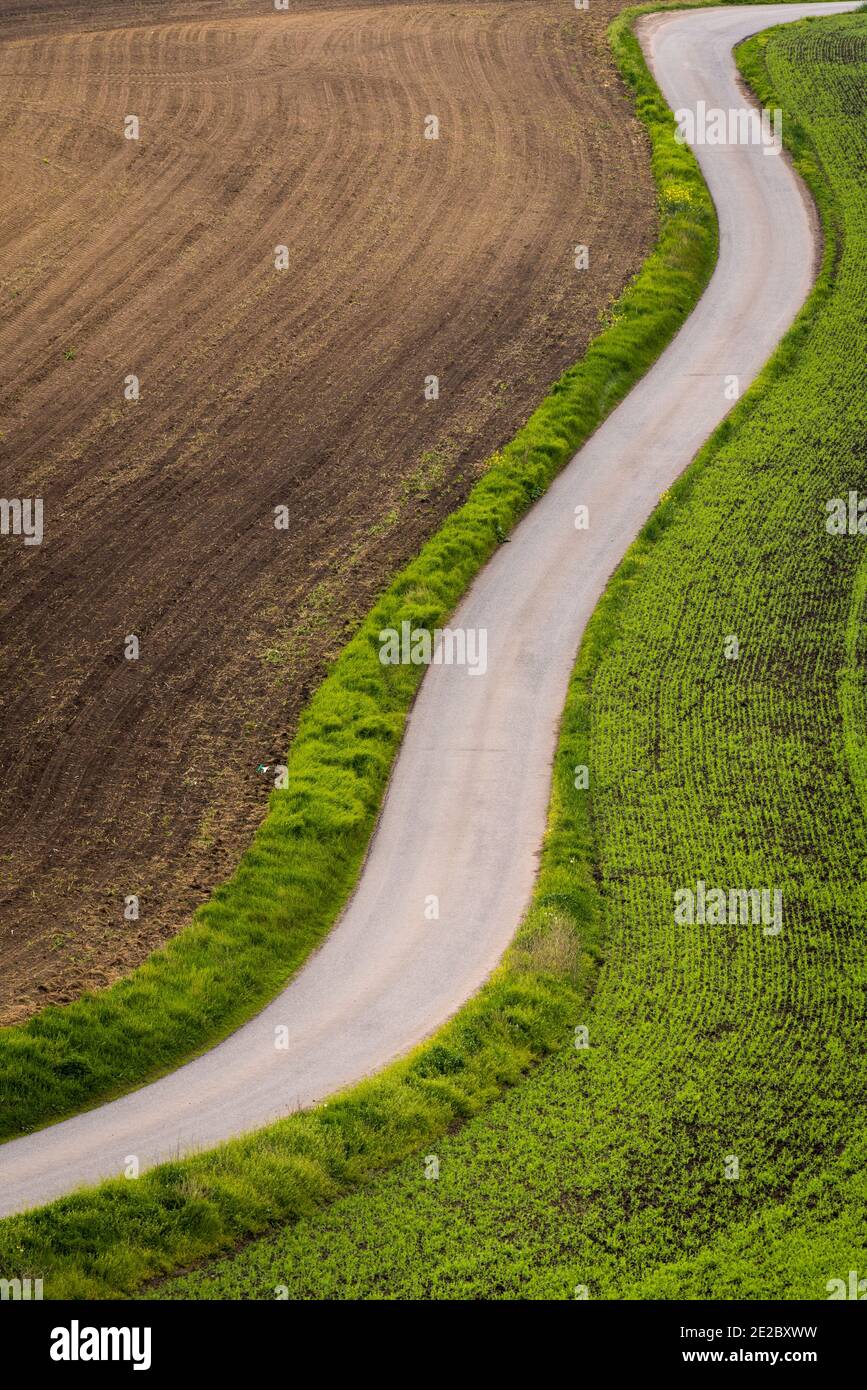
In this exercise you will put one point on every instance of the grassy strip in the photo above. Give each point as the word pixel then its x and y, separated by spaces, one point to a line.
pixel 292 883
pixel 303 862
pixel 607 1168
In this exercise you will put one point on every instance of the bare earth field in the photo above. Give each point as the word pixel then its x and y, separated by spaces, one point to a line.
pixel 260 387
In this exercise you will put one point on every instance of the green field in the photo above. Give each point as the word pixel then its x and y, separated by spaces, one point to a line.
pixel 605 1170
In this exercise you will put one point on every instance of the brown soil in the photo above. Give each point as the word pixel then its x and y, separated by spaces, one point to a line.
pixel 259 387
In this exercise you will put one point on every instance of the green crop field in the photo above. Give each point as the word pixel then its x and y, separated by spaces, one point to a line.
pixel 709 1142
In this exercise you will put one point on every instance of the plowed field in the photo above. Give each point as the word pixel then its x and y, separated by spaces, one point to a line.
pixel 260 387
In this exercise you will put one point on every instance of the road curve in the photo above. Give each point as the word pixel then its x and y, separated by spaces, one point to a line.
pixel 466 808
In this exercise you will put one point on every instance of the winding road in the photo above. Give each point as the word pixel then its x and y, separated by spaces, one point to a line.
pixel 466 808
